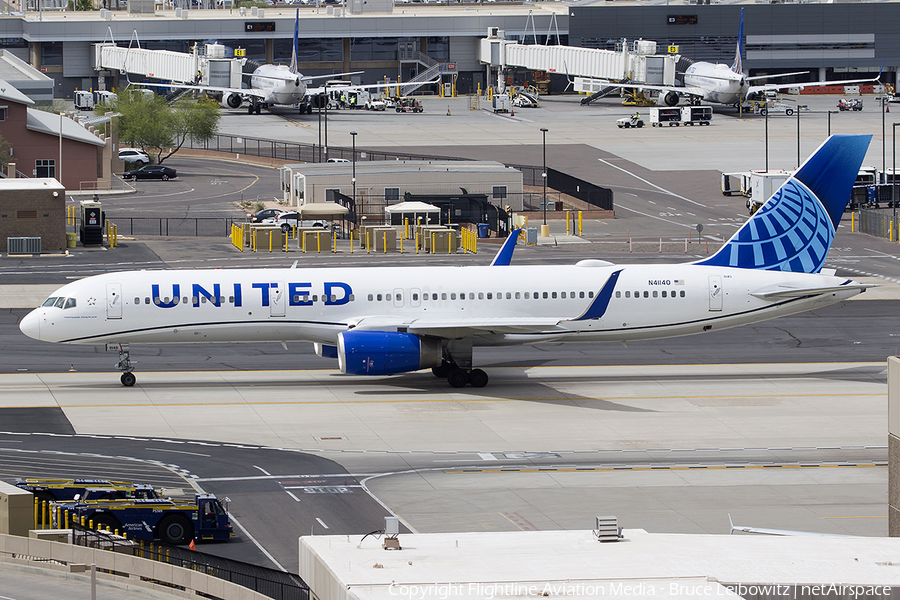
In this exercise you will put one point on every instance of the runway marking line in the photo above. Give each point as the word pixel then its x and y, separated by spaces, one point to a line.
pixel 663 468
pixel 432 401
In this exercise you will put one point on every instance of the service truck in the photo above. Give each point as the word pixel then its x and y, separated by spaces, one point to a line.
pixel 762 185
pixel 696 115
pixel 67 489
pixel 171 521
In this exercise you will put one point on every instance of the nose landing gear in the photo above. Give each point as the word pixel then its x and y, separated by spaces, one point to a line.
pixel 128 379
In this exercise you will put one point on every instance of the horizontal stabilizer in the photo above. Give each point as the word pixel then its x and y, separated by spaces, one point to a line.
pixel 782 291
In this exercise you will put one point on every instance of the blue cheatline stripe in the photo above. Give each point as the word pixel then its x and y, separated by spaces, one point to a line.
pixel 598 307
pixel 504 256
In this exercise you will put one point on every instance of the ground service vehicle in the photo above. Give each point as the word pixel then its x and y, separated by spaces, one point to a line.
pixel 850 104
pixel 762 185
pixel 632 121
pixel 668 115
pixel 171 521
pixel 67 489
pixel 408 105
pixel 84 100
pixel 699 115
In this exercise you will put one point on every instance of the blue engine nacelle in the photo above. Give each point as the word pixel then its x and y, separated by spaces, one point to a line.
pixel 386 352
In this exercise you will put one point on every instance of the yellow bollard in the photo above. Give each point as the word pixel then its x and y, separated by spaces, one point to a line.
pixel 567 222
pixel 853 222
pixel 401 244
pixel 91 524
pixel 37 513
pixel 270 240
pixel 367 242
pixel 116 532
pixel 384 241
pixel 82 522
pixel 45 515
pixel 67 519
pixel 334 242
pixel 417 241
pixel 286 243
pixel 168 553
pixel 303 244
pixel 579 222
pixel 432 243
pixel 351 241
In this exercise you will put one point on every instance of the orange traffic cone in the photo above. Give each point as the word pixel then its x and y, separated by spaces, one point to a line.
pixel 192 546
pixel 448 110
pixel 512 112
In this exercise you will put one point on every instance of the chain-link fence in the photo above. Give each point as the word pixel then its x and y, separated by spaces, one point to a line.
pixel 879 223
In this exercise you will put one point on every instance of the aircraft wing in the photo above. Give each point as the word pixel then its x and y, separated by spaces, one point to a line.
pixel 456 328
pixel 785 532
pixel 246 92
pixel 688 90
pixel 783 86
pixel 314 91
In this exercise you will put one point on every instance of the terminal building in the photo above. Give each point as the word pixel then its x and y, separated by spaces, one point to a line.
pixel 400 41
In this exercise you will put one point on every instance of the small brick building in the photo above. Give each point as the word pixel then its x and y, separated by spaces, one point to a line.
pixel 33 208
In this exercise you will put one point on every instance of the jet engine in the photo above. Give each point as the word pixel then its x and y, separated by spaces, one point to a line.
pixel 232 100
pixel 671 99
pixel 386 352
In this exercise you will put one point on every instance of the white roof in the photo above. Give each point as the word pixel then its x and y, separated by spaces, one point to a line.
pixel 45 122
pixel 32 183
pixel 322 209
pixel 14 68
pixel 8 92
pixel 576 566
pixel 411 207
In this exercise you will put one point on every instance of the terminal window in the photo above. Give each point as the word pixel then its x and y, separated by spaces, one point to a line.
pixel 45 167
pixel 3 110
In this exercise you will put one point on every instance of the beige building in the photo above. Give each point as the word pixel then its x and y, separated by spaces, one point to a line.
pixel 34 207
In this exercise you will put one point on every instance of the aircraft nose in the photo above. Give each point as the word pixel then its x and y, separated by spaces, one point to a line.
pixel 30 325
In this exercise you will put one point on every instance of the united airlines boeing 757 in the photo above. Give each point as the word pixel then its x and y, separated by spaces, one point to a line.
pixel 388 320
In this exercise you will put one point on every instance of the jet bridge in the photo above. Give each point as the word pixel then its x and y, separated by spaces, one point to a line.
pixel 636 62
pixel 207 61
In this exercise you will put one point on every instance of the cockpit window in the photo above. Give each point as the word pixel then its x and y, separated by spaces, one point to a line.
pixel 49 301
pixel 70 303
pixel 60 302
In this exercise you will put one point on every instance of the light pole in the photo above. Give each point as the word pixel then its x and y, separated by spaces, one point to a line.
pixel 353 179
pixel 545 229
pixel 894 173
pixel 798 137
pixel 883 136
pixel 767 138
pixel 327 100
pixel 829 129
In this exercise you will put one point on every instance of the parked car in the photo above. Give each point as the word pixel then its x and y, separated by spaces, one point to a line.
pixel 286 220
pixel 135 155
pixel 152 172
pixel 338 160
pixel 266 213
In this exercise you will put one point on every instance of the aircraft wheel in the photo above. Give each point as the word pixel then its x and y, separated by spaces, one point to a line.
pixel 457 378
pixel 176 530
pixel 128 379
pixel 442 371
pixel 789 111
pixel 478 378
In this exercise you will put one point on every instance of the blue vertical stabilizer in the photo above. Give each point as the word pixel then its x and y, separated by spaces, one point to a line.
pixel 794 229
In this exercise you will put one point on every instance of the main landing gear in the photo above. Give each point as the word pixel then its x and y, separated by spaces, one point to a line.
pixel 128 379
pixel 458 377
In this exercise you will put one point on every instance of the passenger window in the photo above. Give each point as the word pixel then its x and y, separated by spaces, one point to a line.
pixel 147 300
pixel 444 296
pixel 646 294
pixel 590 294
pixel 352 297
pixel 628 294
pixel 378 297
pixel 137 300
pixel 453 296
pixel 664 293
pixel 59 302
pixel 334 297
pixel 571 295
pixel 563 295
pixel 434 296
pixel 654 293
pixel 518 295
pixel 415 297
pixel 508 296
pixel 581 294
pixel 471 295
pixel 481 295
pixel 398 297
pixel 184 300
pixel 490 296
pixel 682 293
pixel 553 295
pixel 70 303
pixel 387 297
pixel 315 298
pixel 370 297
pixel 528 295
pixel 545 295
pixel 49 301
pixel 618 294
pixel 230 299
pixel 221 299
pixel 296 298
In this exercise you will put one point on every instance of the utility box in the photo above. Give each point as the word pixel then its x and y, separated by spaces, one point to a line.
pixel 91 228
pixel 501 103
pixel 384 239
pixel 315 240
pixel 267 238
pixel 443 242
pixel 16 510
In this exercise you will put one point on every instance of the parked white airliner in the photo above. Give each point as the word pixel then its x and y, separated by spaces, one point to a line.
pixel 727 84
pixel 386 320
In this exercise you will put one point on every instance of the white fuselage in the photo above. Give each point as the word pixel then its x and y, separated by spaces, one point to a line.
pixel 244 305
pixel 719 82
pixel 279 84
